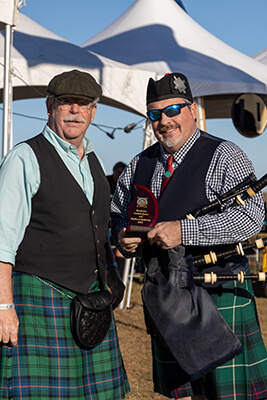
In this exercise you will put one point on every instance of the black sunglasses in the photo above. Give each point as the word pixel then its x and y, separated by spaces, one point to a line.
pixel 170 111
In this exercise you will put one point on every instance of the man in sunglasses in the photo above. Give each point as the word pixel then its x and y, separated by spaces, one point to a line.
pixel 186 169
pixel 54 219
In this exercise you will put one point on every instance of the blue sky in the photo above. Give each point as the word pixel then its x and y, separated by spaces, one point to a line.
pixel 239 23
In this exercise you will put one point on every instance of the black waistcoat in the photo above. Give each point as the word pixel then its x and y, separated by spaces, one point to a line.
pixel 185 191
pixel 66 238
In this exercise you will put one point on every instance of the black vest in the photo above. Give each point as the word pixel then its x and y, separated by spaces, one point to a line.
pixel 185 191
pixel 65 241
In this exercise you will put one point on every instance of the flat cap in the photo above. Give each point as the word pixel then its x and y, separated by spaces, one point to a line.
pixel 170 86
pixel 75 84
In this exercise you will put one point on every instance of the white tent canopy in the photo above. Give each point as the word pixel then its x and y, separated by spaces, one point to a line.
pixel 37 55
pixel 158 35
pixel 261 56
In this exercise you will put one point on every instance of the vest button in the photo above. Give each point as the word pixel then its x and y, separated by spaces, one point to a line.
pixel 98 241
pixel 95 271
pixel 93 212
pixel 96 226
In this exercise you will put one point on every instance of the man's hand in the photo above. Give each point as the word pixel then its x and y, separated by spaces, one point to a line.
pixel 9 324
pixel 129 244
pixel 9 321
pixel 116 285
pixel 166 234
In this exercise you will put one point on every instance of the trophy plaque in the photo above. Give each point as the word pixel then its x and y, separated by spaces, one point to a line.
pixel 142 212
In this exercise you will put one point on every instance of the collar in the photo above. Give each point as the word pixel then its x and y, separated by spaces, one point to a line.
pixel 180 154
pixel 62 144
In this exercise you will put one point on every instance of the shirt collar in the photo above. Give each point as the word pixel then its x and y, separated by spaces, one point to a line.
pixel 180 154
pixel 61 144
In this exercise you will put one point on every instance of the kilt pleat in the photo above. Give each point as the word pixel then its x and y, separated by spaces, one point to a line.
pixel 46 364
pixel 244 377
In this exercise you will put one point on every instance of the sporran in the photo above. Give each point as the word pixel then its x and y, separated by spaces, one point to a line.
pixel 90 316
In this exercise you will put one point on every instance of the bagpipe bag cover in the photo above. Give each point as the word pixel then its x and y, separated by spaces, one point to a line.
pixel 185 318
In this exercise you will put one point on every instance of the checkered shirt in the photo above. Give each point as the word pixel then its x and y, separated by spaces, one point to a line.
pixel 229 167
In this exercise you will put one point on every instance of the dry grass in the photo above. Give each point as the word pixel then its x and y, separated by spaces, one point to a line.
pixel 135 344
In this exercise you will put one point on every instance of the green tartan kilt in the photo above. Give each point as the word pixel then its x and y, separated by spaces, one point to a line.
pixel 46 364
pixel 244 377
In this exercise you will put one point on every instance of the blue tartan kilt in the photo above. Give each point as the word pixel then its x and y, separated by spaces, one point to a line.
pixel 46 364
pixel 244 377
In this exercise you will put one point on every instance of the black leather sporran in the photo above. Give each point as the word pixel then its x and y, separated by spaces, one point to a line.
pixel 91 316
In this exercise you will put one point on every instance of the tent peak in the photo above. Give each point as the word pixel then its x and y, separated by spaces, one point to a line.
pixel 180 3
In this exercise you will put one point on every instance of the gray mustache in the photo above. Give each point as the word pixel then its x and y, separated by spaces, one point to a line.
pixel 74 118
pixel 167 128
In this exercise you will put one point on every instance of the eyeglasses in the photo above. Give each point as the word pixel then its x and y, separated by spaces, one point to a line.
pixel 66 105
pixel 170 111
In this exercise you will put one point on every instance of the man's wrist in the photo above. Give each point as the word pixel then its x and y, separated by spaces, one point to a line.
pixel 7 306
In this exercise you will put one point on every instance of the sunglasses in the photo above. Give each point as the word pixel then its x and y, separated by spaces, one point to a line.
pixel 170 111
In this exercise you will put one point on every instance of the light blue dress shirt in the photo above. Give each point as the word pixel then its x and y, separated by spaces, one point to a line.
pixel 20 181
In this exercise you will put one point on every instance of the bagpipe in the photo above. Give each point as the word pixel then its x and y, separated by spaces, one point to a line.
pixel 243 191
pixel 213 257
pixel 178 309
pixel 180 313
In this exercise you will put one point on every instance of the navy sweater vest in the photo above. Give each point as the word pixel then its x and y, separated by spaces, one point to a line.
pixel 65 241
pixel 185 191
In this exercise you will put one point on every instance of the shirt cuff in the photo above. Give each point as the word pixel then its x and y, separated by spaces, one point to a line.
pixel 7 256
pixel 190 232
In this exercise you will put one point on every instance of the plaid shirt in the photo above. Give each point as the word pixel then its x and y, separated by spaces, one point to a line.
pixel 229 167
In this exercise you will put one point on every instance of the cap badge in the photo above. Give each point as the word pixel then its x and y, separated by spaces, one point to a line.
pixel 179 84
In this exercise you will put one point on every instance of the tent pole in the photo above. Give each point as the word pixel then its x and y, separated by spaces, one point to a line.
pixel 10 96
pixel 149 137
pixel 6 92
pixel 201 116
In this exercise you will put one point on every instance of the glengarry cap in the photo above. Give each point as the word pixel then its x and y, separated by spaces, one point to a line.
pixel 170 86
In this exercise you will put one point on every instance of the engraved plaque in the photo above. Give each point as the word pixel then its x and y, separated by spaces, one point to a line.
pixel 142 212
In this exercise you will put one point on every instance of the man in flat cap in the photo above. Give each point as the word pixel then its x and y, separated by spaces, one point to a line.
pixel 54 207
pixel 186 169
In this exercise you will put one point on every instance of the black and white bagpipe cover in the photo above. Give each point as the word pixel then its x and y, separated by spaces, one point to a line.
pixel 184 317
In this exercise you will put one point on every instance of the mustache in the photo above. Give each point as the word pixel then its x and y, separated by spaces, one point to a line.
pixel 166 128
pixel 74 118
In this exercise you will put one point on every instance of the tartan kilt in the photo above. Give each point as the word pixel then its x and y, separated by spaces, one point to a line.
pixel 244 377
pixel 46 364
